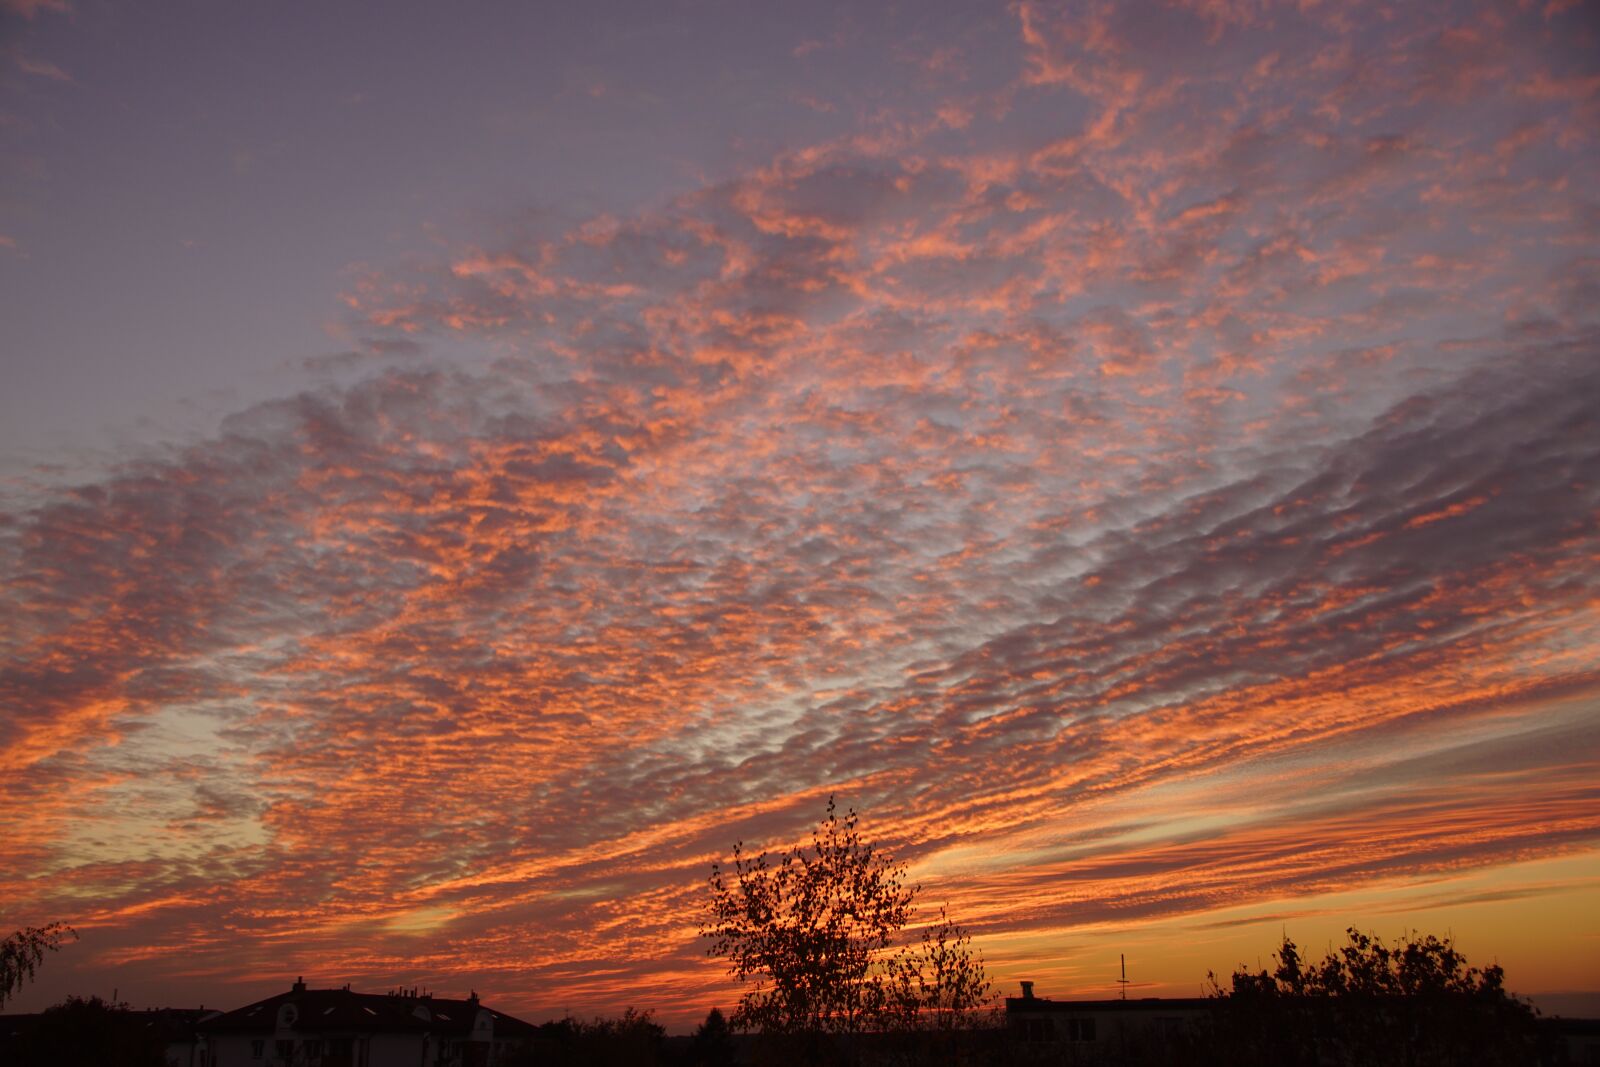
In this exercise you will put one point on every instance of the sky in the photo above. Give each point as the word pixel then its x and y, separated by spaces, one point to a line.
pixel 464 467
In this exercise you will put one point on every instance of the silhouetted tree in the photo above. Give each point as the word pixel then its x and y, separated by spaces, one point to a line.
pixel 939 985
pixel 23 951
pixel 79 1031
pixel 634 1039
pixel 1416 1003
pixel 813 929
pixel 713 1042
pixel 808 928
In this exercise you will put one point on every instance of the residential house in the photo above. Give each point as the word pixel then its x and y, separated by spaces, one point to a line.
pixel 340 1028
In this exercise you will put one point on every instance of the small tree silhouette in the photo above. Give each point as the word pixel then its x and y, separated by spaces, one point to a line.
pixel 713 1042
pixel 939 985
pixel 813 929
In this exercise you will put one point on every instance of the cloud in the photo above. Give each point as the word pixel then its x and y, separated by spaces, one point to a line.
pixel 497 664
pixel 41 68
pixel 369 350
pixel 29 9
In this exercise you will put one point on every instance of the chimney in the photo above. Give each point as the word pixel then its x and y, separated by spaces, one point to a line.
pixel 1027 990
pixel 472 998
pixel 299 985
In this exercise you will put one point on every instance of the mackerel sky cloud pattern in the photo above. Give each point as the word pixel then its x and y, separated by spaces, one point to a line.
pixel 1148 461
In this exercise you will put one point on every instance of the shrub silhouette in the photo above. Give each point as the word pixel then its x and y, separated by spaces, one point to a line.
pixel 1416 1003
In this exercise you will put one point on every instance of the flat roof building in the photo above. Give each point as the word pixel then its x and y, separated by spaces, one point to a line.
pixel 1106 1031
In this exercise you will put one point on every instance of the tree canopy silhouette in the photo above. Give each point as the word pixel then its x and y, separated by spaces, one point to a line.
pixel 814 928
pixel 1415 1003
pixel 23 951
pixel 713 1043
pixel 88 1031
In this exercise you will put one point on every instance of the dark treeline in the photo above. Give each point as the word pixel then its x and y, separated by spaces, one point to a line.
pixel 636 1040
pixel 89 1030
pixel 1413 1003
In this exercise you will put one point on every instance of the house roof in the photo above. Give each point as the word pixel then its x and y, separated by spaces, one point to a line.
pixel 1142 1004
pixel 344 1011
pixel 174 1024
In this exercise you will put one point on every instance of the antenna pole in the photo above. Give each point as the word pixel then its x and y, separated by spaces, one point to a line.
pixel 1123 981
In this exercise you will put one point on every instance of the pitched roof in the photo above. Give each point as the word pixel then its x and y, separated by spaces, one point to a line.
pixel 344 1011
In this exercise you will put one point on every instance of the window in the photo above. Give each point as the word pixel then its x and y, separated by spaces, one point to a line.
pixel 257 1047
pixel 1080 1029
pixel 285 1050
pixel 312 1047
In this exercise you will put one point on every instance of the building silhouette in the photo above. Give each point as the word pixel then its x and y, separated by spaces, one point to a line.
pixel 1106 1031
pixel 340 1028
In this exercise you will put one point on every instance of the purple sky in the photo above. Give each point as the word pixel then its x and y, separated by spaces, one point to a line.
pixel 190 186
